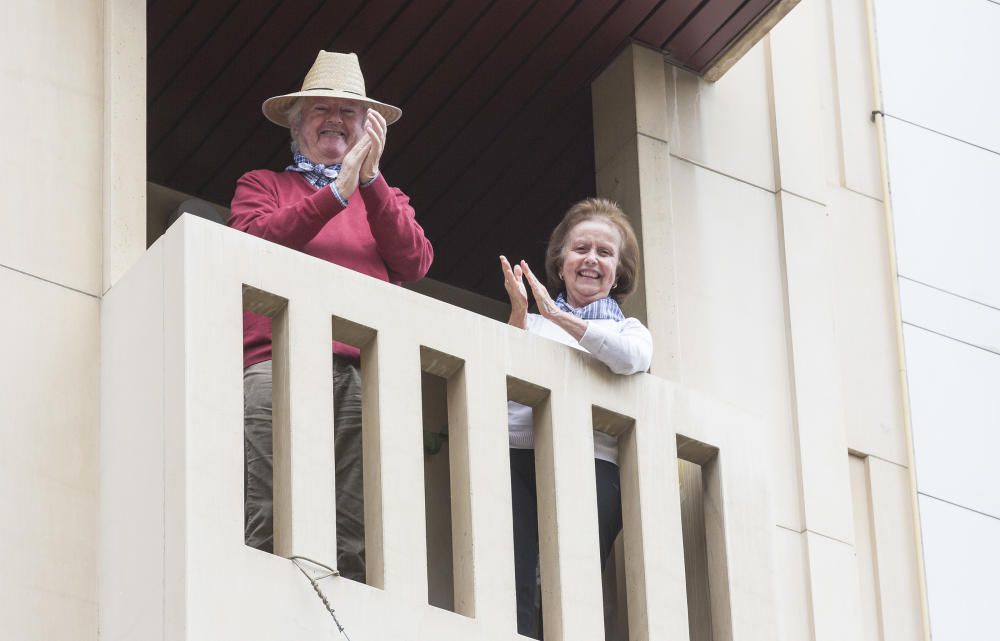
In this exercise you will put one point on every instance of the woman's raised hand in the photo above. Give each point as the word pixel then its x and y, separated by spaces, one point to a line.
pixel 513 282
pixel 546 306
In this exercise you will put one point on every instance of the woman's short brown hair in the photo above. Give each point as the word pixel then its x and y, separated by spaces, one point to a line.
pixel 628 255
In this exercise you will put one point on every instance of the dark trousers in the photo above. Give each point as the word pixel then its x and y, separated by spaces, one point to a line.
pixel 525 505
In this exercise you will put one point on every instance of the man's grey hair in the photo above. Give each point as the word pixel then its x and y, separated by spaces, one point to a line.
pixel 294 120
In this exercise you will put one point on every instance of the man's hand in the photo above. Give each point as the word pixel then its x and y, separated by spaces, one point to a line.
pixel 375 129
pixel 347 179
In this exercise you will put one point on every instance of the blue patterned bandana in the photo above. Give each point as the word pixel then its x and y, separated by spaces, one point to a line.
pixel 604 309
pixel 318 175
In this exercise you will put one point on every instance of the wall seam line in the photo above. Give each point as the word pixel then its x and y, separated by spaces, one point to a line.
pixel 941 133
pixel 957 340
pixel 645 135
pixel 720 173
pixel 960 506
pixel 827 536
pixel 51 282
pixel 950 293
pixel 885 460
pixel 812 200
pixel 861 193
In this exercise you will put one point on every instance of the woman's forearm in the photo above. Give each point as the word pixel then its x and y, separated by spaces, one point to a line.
pixel 625 347
pixel 570 324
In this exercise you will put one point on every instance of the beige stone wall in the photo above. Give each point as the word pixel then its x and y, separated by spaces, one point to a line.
pixel 759 201
pixel 71 222
pixel 51 124
pixel 769 285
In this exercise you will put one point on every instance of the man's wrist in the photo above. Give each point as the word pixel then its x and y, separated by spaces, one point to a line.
pixel 336 194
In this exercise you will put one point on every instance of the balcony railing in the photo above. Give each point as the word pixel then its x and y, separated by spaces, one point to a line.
pixel 173 562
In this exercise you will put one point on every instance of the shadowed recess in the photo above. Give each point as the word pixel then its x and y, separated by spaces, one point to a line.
pixel 496 138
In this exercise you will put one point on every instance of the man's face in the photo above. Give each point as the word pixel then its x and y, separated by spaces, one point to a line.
pixel 329 127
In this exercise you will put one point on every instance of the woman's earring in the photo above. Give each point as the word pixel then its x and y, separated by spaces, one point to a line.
pixel 615 286
pixel 561 276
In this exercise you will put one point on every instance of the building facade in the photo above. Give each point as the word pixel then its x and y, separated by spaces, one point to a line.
pixel 817 278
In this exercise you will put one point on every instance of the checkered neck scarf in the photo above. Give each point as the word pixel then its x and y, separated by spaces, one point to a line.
pixel 604 309
pixel 318 175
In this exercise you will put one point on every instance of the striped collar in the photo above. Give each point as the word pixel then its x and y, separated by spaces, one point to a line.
pixel 603 309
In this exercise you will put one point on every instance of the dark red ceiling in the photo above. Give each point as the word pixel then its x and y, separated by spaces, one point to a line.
pixel 495 140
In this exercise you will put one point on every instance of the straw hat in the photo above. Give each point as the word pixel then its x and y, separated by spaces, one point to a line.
pixel 333 75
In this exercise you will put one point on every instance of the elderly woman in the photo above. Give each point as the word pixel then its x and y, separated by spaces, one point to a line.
pixel 332 203
pixel 592 264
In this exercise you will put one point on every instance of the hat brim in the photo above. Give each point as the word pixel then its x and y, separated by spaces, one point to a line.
pixel 276 109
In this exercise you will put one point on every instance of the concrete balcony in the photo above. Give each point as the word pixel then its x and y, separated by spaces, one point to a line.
pixel 173 564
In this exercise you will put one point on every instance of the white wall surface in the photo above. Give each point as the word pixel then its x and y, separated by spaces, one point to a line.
pixel 945 201
pixel 938 68
pixel 48 462
pixel 939 65
pixel 864 319
pixel 708 129
pixel 802 76
pixel 51 124
pixel 52 152
pixel 856 98
pixel 955 408
pixel 790 568
pixel 731 310
pixel 962 561
pixel 944 313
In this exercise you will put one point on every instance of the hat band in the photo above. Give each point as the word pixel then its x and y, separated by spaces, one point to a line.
pixel 332 89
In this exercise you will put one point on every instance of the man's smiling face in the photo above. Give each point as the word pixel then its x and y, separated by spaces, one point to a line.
pixel 328 128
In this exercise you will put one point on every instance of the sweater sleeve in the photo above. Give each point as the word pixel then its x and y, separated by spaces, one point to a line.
pixel 625 347
pixel 256 210
pixel 399 238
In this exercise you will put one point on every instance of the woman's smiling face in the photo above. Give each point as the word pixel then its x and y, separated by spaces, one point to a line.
pixel 590 261
pixel 328 128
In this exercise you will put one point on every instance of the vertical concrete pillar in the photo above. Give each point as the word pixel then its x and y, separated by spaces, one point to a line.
pixel 124 181
pixel 631 154
pixel 807 173
pixel 632 159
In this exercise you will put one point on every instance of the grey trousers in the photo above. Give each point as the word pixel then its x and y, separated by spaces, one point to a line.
pixel 259 478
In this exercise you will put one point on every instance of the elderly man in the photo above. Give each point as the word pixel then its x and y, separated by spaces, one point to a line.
pixel 331 203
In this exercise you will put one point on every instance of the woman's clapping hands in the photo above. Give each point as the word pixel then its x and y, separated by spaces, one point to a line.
pixel 513 282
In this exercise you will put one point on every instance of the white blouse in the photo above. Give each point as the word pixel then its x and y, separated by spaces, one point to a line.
pixel 626 347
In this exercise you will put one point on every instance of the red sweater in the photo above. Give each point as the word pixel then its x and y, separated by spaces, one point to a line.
pixel 376 234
